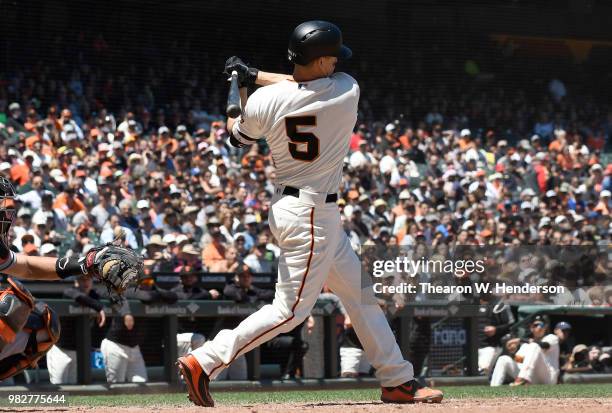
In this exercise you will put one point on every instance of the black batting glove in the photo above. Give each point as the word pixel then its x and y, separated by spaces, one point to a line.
pixel 246 75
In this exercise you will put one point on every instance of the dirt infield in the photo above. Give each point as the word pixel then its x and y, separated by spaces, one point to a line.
pixel 496 405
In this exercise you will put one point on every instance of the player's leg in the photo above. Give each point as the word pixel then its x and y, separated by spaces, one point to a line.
pixel 115 361
pixel 534 368
pixel 485 357
pixel 183 343
pixel 395 374
pixel 505 369
pixel 136 371
pixel 350 360
pixel 304 238
pixel 57 364
pixel 368 320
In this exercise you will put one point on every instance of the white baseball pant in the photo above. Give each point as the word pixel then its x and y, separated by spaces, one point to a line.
pixel 62 365
pixel 187 342
pixel 533 368
pixel 314 250
pixel 353 360
pixel 485 357
pixel 123 363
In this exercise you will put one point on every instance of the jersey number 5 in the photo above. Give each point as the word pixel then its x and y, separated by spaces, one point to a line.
pixel 298 139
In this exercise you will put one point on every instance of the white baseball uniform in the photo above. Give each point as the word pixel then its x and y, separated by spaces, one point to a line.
pixel 538 366
pixel 62 365
pixel 307 127
pixel 123 363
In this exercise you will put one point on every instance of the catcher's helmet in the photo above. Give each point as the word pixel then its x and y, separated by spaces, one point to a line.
pixel 316 38
pixel 7 209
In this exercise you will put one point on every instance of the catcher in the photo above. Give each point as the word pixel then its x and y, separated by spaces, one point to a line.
pixel 28 327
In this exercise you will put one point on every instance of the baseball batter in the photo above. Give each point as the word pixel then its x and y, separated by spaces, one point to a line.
pixel 307 119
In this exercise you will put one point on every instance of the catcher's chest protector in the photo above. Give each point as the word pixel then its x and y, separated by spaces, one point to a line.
pixel 41 323
pixel 16 304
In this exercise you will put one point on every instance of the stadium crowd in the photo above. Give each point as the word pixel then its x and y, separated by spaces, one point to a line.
pixel 164 177
pixel 143 159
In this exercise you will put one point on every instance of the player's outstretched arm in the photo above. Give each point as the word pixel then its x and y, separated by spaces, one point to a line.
pixel 113 265
pixel 28 267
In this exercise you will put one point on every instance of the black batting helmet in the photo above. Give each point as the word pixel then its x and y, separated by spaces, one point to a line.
pixel 316 38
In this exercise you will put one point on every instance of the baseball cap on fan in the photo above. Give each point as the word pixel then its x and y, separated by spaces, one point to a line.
pixel 563 325
pixel 47 248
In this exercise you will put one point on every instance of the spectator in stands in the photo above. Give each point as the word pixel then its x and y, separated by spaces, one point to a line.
pixel 229 264
pixel 62 357
pixel 215 250
pixel 580 360
pixel 48 250
pixel 252 231
pixel 113 229
pixel 128 220
pixel 68 202
pixel 584 359
pixel 60 222
pixel 14 119
pixel 242 290
pixel 34 195
pixel 120 349
pixel 156 249
pixel 189 256
pixel 190 227
pixel 260 260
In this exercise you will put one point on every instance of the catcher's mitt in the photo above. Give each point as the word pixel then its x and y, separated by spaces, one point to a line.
pixel 116 267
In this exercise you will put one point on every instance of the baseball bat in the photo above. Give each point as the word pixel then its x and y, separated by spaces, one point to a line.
pixel 233 98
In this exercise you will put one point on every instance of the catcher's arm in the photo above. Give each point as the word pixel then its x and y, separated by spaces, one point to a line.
pixel 114 266
pixel 26 267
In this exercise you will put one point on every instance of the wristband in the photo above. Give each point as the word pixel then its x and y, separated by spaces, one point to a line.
pixel 69 266
pixel 8 261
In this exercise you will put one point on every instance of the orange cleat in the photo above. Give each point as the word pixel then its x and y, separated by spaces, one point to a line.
pixel 197 381
pixel 411 392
